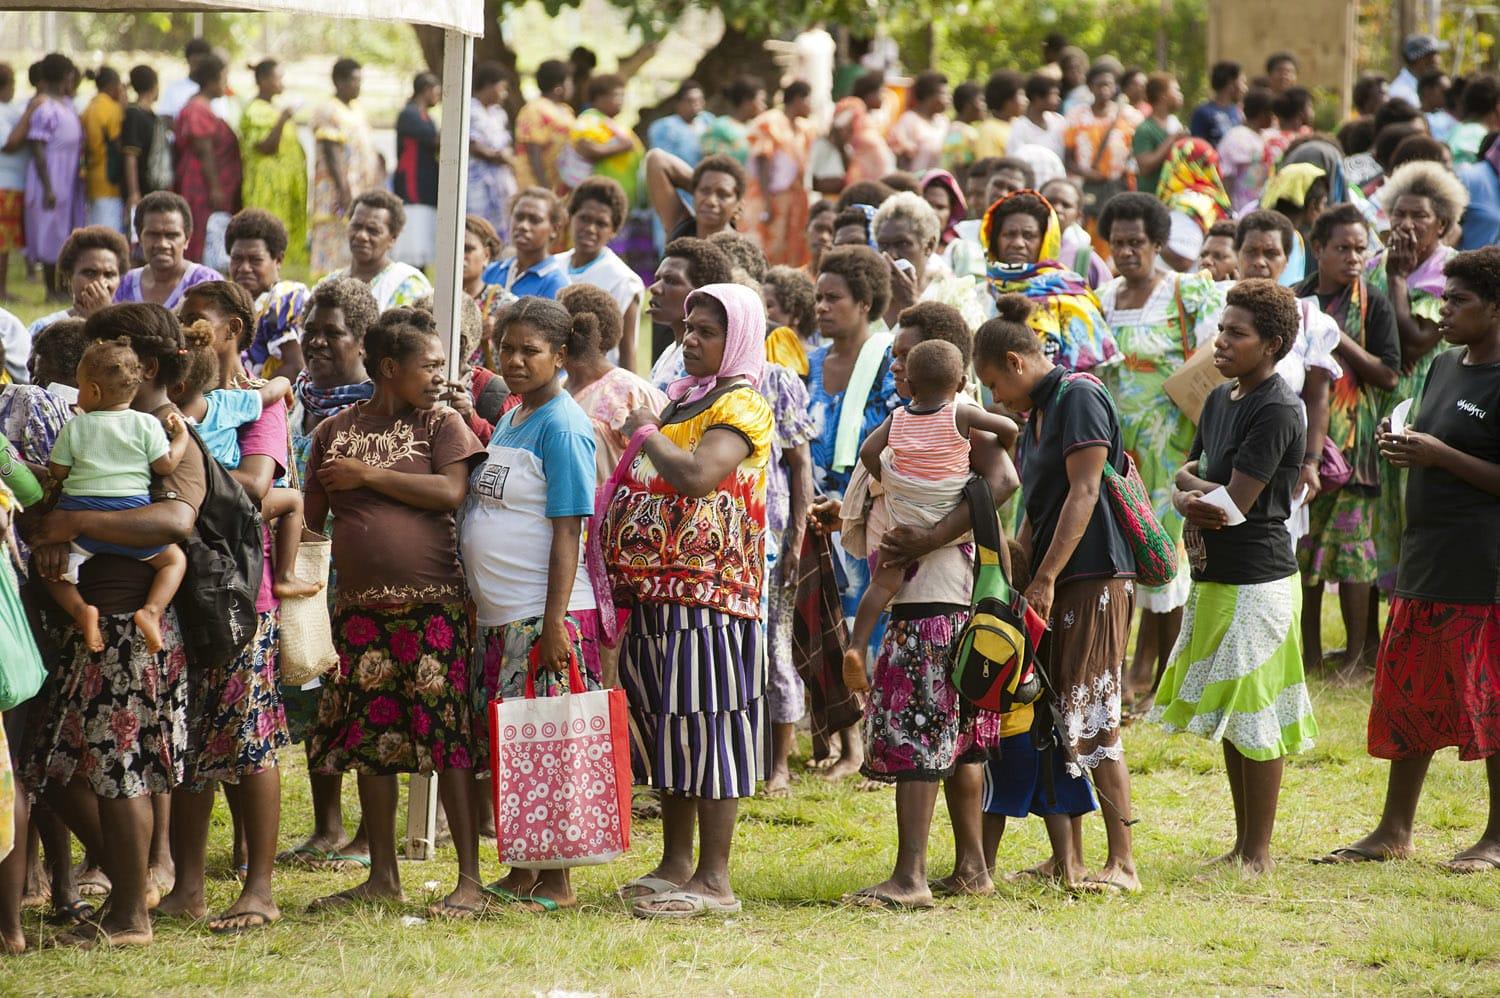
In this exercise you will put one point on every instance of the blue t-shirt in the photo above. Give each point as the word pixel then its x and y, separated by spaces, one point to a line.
pixel 532 474
pixel 228 410
pixel 1481 225
pixel 1212 122
pixel 544 280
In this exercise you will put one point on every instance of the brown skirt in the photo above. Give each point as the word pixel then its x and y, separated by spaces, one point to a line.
pixel 1090 631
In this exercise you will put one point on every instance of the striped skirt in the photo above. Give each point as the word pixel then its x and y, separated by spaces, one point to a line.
pixel 696 682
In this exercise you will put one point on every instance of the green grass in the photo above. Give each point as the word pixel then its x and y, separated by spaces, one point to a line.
pixel 1401 928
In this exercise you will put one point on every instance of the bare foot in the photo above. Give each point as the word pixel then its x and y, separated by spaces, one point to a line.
pixel 1255 866
pixel 842 769
pixel 148 621
pixel 13 945
pixel 365 893
pixel 854 671
pixel 778 785
pixel 88 623
pixel 892 895
pixel 956 884
pixel 181 905
pixel 517 881
pixel 1113 879
pixel 823 764
pixel 247 913
pixel 294 588
pixel 1044 871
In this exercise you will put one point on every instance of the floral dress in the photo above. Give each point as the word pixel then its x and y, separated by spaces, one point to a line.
pixel 198 121
pixel 278 182
pixel 278 314
pixel 491 185
pixel 1155 340
pixel 346 129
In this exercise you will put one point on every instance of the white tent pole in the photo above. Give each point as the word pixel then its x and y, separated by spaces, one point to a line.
pixel 453 188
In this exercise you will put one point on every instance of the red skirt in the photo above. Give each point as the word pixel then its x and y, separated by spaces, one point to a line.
pixel 1437 683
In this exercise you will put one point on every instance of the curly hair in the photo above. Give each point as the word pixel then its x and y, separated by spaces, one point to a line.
pixel 545 315
pixel 605 191
pixel 60 346
pixel 936 321
pixel 163 203
pixel 597 322
pixel 229 300
pixel 154 334
pixel 900 181
pixel 855 214
pixel 348 295
pixel 542 194
pixel 1020 203
pixel 870 192
pixel 1418 147
pixel 1266 221
pixel 912 209
pixel 720 163
pixel 1007 332
pixel 256 223
pixel 707 264
pixel 1136 206
pixel 380 198
pixel 1272 308
pixel 1432 181
pixel 865 272
pixel 202 372
pixel 113 366
pixel 396 335
pixel 934 365
pixel 1336 217
pixel 743 252
pixel 796 294
pixel 470 322
pixel 1480 270
pixel 482 230
pixel 91 237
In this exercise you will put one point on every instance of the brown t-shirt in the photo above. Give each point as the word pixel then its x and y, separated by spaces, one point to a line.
pixel 388 553
pixel 118 585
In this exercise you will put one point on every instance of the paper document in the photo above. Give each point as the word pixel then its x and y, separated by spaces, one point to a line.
pixel 1399 416
pixel 1220 497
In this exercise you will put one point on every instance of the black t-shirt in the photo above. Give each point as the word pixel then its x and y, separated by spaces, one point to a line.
pixel 1450 550
pixel 138 135
pixel 1380 336
pixel 416 178
pixel 1072 416
pixel 1262 435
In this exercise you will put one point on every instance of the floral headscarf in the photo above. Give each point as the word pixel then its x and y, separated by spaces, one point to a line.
pixel 1068 319
pixel 744 341
pixel 1190 183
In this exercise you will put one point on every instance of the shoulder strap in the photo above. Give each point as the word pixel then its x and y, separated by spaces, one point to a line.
pixel 1104 139
pixel 986 525
pixel 1182 323
pixel 1081 261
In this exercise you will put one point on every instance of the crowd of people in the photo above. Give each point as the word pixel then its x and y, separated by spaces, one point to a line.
pixel 1263 356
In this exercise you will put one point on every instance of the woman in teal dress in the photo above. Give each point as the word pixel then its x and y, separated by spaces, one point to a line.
pixel 729 135
pixel 275 168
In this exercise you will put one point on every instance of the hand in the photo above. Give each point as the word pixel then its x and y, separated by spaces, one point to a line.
pixel 92 297
pixel 903 284
pixel 1203 515
pixel 1412 449
pixel 57 527
pixel 458 398
pixel 174 425
pixel 49 200
pixel 902 545
pixel 1400 253
pixel 791 553
pixel 51 560
pixel 553 648
pixel 343 474
pixel 823 517
pixel 1039 594
pixel 639 417
pixel 1309 479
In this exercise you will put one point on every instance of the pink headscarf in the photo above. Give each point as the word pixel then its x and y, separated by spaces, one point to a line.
pixel 744 341
pixel 958 208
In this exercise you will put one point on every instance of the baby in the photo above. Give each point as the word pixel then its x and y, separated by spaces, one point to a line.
pixel 920 457
pixel 104 457
pixel 218 414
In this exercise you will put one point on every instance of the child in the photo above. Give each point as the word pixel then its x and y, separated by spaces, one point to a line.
pixel 219 414
pixel 920 457
pixel 104 458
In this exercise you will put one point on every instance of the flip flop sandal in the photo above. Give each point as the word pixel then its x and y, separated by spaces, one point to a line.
pixel 544 906
pixel 1465 865
pixel 653 885
pixel 247 921
pixel 73 913
pixel 340 862
pixel 95 886
pixel 303 855
pixel 503 894
pixel 451 912
pixel 875 899
pixel 1097 885
pixel 700 905
pixel 1345 855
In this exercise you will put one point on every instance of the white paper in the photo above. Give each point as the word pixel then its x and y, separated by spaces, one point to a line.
pixel 1220 497
pixel 1398 417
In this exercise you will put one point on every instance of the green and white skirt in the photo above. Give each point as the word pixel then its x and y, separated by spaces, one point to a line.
pixel 1236 671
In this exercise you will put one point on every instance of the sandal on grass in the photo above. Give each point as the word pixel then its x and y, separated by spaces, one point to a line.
pixel 73 913
pixel 868 898
pixel 341 862
pixel 1471 864
pixel 698 905
pixel 244 921
pixel 544 905
pixel 652 886
pixel 1344 855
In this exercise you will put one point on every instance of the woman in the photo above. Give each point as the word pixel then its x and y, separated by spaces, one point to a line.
pixel 145 152
pixel 102 121
pixel 54 203
pixel 1082 574
pixel 1340 542
pixel 941 190
pixel 536 215
pixel 256 242
pixel 415 177
pixel 14 159
pixel 599 143
pixel 1434 685
pixel 275 165
pixel 398 465
pixel 238 724
pixel 75 749
pixel 790 295
pixel 597 210
pixel 492 177
pixel 543 125
pixel 333 329
pixel 858 131
pixel 164 224
pixel 375 223
pixel 780 144
pixel 522 544
pixel 91 263
pixel 607 394
pixel 729 134
pixel 207 153
pixel 905 230
pixel 30 415
pixel 1235 674
pixel 1195 197
pixel 1021 239
pixel 917 136
pixel 1157 319
pixel 1424 202
pixel 693 660
pixel 716 185
pixel 1098 135
pixel 1076 246
pixel 481 247
pixel 819 234
pixel 346 164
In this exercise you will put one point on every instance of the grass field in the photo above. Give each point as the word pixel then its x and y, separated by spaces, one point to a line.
pixel 1401 928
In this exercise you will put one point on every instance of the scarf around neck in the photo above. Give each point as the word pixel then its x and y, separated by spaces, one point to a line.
pixel 325 402
pixel 744 342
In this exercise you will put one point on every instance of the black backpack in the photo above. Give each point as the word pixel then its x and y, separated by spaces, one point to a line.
pixel 225 558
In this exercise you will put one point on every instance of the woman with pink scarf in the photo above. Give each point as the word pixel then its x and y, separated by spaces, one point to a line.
pixel 683 536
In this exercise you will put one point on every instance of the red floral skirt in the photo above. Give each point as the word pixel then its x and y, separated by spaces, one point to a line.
pixel 1437 683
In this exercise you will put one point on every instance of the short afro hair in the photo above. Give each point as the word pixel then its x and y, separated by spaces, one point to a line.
pixel 928 84
pixel 1433 181
pixel 1336 217
pixel 163 203
pixel 796 294
pixel 1266 221
pixel 743 252
pixel 870 192
pixel 380 199
pixel 1273 310
pixel 605 191
pixel 1000 89
pixel 936 321
pixel 92 237
pixel 60 346
pixel 900 181
pixel 350 296
pixel 707 264
pixel 257 223
pixel 1135 206
pixel 935 365
pixel 1480 270
pixel 720 163
pixel 865 272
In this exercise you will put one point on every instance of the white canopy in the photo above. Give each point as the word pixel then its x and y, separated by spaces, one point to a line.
pixel 466 16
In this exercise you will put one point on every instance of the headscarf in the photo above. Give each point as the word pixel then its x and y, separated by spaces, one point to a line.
pixel 1326 157
pixel 325 402
pixel 1190 183
pixel 1291 183
pixel 958 207
pixel 744 341
pixel 1068 319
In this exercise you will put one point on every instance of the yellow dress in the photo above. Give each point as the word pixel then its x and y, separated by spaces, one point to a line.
pixel 345 128
pixel 278 182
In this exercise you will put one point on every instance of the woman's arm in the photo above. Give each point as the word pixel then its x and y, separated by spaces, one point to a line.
pixel 798 463
pixel 1085 467
pixel 698 472
pixel 1413 449
pixel 165 522
pixel 315 510
pixel 272 142
pixel 665 176
pixel 630 331
pixel 1367 367
pixel 17 136
pixel 441 491
pixel 39 157
pixel 869 451
pixel 1418 335
pixel 595 151
pixel 1315 400
pixel 562 571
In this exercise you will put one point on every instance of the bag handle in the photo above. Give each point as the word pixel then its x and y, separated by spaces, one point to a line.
pixel 985 523
pixel 593 548
pixel 534 662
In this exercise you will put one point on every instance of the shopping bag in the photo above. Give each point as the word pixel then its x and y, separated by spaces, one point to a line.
pixel 307 650
pixel 561 770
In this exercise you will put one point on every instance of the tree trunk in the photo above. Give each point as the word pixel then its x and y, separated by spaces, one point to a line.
pixel 737 53
pixel 490 47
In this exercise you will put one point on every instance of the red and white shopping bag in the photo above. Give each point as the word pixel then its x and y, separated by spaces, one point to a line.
pixel 561 770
